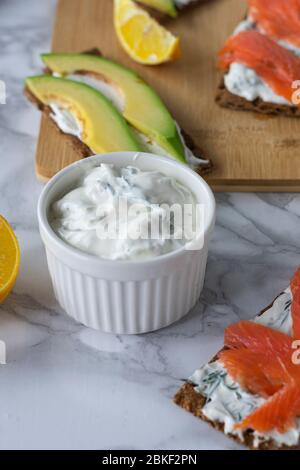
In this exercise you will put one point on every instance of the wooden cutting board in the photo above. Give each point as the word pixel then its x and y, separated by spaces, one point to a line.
pixel 250 153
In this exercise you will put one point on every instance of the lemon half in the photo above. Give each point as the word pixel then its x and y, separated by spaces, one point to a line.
pixel 9 258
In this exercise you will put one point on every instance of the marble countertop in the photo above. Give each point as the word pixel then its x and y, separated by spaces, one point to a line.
pixel 65 386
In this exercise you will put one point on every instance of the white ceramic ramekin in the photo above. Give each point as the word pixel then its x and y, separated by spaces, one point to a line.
pixel 125 297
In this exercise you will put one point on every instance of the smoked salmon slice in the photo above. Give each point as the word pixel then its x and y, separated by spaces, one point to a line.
pixel 259 358
pixel 279 19
pixel 258 338
pixel 248 369
pixel 278 412
pixel 274 64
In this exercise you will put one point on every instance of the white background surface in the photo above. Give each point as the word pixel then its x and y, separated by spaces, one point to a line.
pixel 69 387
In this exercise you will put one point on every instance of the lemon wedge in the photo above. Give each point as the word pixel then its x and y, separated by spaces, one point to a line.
pixel 9 258
pixel 142 37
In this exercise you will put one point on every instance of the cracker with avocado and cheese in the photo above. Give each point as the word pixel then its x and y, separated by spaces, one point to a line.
pixel 107 107
pixel 250 390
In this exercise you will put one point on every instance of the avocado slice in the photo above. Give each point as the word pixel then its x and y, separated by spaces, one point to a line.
pixel 103 128
pixel 142 108
pixel 165 6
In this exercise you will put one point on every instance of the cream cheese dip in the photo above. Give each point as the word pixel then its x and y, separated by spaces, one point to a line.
pixel 124 213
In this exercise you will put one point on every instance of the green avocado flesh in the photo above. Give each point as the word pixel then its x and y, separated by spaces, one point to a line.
pixel 104 128
pixel 165 6
pixel 143 108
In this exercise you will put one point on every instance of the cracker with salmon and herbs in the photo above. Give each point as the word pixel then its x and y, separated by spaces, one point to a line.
pixel 268 47
pixel 250 390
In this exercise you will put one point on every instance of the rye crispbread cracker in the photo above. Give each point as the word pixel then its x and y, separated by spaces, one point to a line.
pixel 226 99
pixel 193 402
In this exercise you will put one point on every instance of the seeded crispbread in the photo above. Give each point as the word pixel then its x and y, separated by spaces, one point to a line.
pixel 226 99
pixel 193 402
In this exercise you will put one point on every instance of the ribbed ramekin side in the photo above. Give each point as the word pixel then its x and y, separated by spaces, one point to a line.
pixel 128 307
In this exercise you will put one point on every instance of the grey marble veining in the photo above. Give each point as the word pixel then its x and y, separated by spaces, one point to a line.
pixel 66 386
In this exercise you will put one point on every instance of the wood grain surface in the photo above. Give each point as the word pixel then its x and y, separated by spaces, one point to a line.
pixel 250 152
